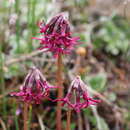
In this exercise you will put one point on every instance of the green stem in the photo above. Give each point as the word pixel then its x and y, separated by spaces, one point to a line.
pixel 29 25
pixel 25 116
pixel 31 17
pixel 2 82
pixel 16 118
pixel 17 25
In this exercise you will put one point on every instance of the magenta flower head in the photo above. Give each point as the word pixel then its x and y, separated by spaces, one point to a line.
pixel 56 36
pixel 34 88
pixel 77 97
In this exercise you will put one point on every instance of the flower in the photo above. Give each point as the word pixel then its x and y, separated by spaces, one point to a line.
pixel 78 92
pixel 18 111
pixel 56 36
pixel 35 87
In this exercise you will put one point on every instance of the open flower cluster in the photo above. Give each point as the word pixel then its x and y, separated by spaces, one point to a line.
pixel 77 97
pixel 56 36
pixel 35 88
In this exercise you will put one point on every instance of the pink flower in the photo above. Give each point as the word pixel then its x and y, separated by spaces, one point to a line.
pixel 56 36
pixel 18 111
pixel 77 96
pixel 35 87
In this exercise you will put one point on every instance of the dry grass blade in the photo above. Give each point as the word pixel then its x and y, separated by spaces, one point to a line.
pixel 43 127
pixel 24 57
pixel 3 124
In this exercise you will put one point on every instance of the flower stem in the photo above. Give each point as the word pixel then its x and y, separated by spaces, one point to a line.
pixel 25 116
pixel 79 121
pixel 60 93
pixel 68 119
pixel 30 117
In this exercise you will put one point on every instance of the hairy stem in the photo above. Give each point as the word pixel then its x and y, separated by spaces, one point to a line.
pixel 60 93
pixel 68 119
pixel 25 116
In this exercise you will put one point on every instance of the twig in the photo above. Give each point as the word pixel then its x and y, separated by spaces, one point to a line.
pixel 24 57
pixel 30 55
pixel 103 98
pixel 8 92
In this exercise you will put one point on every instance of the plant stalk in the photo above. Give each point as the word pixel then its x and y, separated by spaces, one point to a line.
pixel 68 119
pixel 79 121
pixel 2 82
pixel 60 93
pixel 25 116
pixel 30 117
pixel 17 26
pixel 16 118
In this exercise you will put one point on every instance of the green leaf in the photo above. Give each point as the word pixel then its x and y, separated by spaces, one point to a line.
pixel 101 123
pixel 98 81
pixel 112 37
